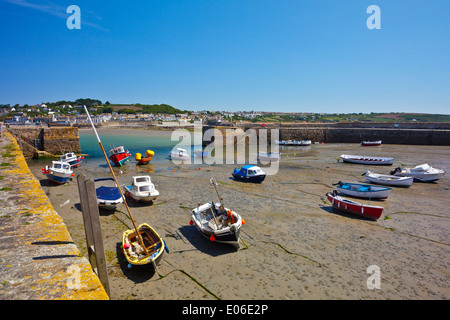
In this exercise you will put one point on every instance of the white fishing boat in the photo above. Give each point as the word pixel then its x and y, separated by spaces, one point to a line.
pixel 179 154
pixel 217 223
pixel 59 172
pixel 370 143
pixel 72 159
pixel 423 172
pixel 142 189
pixel 367 160
pixel 388 180
pixel 268 156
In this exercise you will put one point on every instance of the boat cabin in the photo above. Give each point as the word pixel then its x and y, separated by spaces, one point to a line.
pixel 142 184
pixel 59 166
pixel 117 150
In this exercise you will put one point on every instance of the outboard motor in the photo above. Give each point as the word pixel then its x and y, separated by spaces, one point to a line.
pixel 398 169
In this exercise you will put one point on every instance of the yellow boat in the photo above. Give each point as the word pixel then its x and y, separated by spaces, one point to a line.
pixel 154 244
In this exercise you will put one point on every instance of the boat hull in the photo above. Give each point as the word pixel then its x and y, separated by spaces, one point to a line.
pixel 386 180
pixel 367 211
pixel 254 179
pixel 368 160
pixel 58 178
pixel 364 191
pixel 119 159
pixel 141 198
pixel 154 243
pixel 422 177
pixel 370 143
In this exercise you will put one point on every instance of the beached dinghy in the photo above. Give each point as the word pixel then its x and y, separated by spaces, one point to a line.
pixel 72 159
pixel 59 172
pixel 363 190
pixel 346 205
pixel 423 172
pixel 216 222
pixel 388 180
pixel 154 246
pixel 370 143
pixel 142 189
pixel 119 155
pixel 249 173
pixel 367 160
pixel 107 197
pixel 144 160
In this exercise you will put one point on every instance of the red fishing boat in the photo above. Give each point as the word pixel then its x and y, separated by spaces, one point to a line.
pixel 119 155
pixel 365 210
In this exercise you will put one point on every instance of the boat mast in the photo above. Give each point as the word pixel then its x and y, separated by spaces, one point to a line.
pixel 141 242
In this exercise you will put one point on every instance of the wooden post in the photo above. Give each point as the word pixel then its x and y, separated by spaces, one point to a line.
pixel 92 228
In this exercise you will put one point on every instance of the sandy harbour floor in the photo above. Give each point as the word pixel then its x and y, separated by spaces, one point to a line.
pixel 294 246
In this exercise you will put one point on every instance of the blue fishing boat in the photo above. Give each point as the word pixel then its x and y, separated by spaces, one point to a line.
pixel 59 172
pixel 107 197
pixel 249 173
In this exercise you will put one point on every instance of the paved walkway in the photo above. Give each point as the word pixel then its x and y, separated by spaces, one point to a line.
pixel 38 259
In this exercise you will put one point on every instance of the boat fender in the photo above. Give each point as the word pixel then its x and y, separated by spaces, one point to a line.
pixel 231 217
pixel 165 246
pixel 129 266
pixel 212 238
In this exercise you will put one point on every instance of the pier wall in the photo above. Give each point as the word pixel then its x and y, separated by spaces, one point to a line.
pixel 38 258
pixel 38 142
pixel 416 134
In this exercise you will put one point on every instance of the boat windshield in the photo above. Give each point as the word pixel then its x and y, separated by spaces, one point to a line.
pixel 145 188
pixel 57 166
pixel 143 179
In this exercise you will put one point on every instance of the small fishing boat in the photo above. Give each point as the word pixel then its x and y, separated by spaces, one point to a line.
pixel 107 197
pixel 179 154
pixel 268 156
pixel 217 223
pixel 346 205
pixel 423 172
pixel 249 173
pixel 59 172
pixel 119 155
pixel 388 180
pixel 367 160
pixel 153 243
pixel 72 159
pixel 144 160
pixel 370 143
pixel 363 190
pixel 304 142
pixel 142 189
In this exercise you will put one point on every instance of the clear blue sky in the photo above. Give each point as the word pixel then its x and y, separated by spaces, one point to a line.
pixel 281 55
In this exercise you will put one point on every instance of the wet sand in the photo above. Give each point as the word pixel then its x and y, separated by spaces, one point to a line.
pixel 294 246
